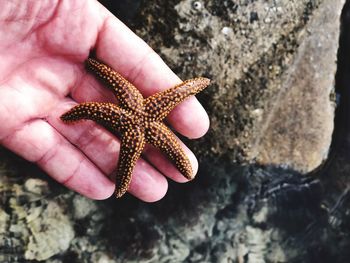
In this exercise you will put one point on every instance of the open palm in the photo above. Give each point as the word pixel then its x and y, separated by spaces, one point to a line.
pixel 43 46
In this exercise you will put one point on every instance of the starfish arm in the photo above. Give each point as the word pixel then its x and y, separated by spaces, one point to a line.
pixel 106 114
pixel 127 94
pixel 132 144
pixel 158 106
pixel 162 138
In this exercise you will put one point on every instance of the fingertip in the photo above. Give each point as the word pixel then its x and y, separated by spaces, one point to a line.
pixel 147 183
pixel 166 167
pixel 101 194
pixel 194 163
pixel 177 176
pixel 190 119
pixel 202 126
pixel 157 195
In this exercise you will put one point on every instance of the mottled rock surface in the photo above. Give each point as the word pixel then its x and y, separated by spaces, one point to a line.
pixel 296 131
pixel 255 52
pixel 33 225
pixel 272 65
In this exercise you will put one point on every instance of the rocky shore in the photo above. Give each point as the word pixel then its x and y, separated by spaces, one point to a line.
pixel 273 179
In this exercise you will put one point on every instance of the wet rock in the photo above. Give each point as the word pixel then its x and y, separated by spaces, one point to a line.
pixel 297 130
pixel 50 232
pixel 272 66
pixel 32 227
pixel 83 207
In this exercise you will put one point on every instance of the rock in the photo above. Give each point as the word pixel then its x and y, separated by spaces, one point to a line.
pixel 33 227
pixel 297 130
pixel 36 186
pixel 83 207
pixel 272 66
pixel 50 233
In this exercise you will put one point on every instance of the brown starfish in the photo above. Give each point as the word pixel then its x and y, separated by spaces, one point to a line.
pixel 137 120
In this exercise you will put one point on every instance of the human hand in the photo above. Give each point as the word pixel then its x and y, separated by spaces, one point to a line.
pixel 43 47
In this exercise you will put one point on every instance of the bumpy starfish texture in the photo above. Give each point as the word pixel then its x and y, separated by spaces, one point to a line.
pixel 137 120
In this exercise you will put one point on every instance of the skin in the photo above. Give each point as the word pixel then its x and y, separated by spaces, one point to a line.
pixel 43 47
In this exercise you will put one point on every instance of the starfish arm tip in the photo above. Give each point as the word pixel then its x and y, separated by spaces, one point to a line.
pixel 190 176
pixel 119 192
pixel 204 83
pixel 206 80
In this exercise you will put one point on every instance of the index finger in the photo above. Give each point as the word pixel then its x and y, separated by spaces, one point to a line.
pixel 128 54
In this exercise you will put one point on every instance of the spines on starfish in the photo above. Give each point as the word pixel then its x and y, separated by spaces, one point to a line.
pixel 158 106
pixel 132 144
pixel 127 94
pixel 162 138
pixel 138 120
pixel 106 114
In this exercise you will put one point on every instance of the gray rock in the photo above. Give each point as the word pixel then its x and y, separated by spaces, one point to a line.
pixel 297 130
pixel 83 207
pixel 265 101
pixel 33 228
pixel 50 232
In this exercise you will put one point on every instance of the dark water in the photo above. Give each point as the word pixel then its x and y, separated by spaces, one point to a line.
pixel 125 10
